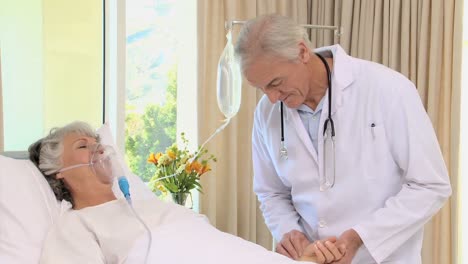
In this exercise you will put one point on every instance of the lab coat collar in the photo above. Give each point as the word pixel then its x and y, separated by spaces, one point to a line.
pixel 342 73
pixel 342 77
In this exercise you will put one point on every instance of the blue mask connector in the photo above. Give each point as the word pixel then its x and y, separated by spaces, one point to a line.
pixel 125 188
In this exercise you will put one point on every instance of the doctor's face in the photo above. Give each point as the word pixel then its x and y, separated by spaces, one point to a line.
pixel 280 80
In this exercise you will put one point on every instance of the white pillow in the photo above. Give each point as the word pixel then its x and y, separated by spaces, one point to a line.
pixel 28 206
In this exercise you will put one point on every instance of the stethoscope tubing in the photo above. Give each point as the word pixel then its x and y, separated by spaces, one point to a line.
pixel 329 118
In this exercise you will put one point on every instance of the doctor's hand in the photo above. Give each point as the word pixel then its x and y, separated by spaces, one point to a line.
pixel 292 244
pixel 324 251
pixel 352 241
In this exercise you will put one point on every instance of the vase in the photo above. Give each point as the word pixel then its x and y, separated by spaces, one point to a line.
pixel 180 197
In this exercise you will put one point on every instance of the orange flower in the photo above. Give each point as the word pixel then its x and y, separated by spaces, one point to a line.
pixel 205 169
pixel 185 165
pixel 196 166
pixel 154 158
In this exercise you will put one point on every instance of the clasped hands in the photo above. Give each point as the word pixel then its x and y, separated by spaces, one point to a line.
pixel 295 245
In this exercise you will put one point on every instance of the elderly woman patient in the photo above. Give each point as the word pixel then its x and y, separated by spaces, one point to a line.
pixel 96 227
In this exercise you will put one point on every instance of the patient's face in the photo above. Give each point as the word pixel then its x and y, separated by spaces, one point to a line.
pixel 76 151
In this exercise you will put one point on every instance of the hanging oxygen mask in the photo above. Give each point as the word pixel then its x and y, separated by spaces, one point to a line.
pixel 229 81
pixel 228 86
pixel 228 89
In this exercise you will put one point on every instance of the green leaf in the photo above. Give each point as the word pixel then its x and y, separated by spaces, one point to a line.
pixel 171 187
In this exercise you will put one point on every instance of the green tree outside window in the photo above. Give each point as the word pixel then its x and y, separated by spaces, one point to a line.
pixel 152 131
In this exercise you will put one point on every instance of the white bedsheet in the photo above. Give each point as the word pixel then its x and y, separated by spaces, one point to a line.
pixel 196 241
pixel 110 233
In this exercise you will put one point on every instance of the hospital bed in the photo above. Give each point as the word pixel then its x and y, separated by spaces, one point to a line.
pixel 28 208
pixel 23 155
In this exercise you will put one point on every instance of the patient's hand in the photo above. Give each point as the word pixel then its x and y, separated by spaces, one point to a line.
pixel 352 241
pixel 323 251
pixel 292 244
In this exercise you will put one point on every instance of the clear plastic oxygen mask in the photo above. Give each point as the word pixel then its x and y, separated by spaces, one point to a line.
pixel 228 87
pixel 103 163
pixel 229 80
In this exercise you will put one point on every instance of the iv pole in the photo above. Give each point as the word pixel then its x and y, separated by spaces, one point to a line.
pixel 337 30
pixel 228 26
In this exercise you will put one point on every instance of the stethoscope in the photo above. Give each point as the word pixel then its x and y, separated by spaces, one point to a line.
pixel 328 131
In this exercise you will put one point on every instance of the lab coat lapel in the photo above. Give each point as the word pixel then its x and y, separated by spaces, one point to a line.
pixel 302 133
pixel 342 77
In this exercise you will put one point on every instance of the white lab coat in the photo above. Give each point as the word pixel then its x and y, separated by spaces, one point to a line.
pixel 390 179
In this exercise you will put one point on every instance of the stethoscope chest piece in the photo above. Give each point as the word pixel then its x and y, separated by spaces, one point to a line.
pixel 283 151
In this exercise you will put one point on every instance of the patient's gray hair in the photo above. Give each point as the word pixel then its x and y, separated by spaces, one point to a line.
pixel 46 154
pixel 272 35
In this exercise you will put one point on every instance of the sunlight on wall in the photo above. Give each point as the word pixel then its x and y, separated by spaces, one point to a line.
pixel 73 59
pixel 22 71
pixel 51 66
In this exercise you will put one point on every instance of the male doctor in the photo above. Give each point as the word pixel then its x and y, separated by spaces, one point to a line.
pixel 361 165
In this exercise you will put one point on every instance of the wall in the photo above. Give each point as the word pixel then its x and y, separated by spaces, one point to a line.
pixel 52 66
pixel 73 61
pixel 22 71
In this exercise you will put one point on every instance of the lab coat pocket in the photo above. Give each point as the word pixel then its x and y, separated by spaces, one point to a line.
pixel 376 151
pixel 299 169
pixel 285 167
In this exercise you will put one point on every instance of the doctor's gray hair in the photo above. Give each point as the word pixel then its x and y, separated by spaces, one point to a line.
pixel 272 35
pixel 46 154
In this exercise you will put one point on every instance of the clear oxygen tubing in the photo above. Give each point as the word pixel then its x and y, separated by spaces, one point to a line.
pixel 218 130
pixel 228 91
pixel 125 188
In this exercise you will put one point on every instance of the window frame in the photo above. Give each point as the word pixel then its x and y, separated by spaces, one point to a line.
pixel 115 73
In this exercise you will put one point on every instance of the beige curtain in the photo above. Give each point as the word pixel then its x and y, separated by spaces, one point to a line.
pixel 323 12
pixel 422 40
pixel 228 199
pixel 1 107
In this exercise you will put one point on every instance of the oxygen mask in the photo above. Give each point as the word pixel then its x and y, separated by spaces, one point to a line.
pixel 103 162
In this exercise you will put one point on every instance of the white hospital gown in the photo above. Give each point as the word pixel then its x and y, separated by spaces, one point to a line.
pixel 107 233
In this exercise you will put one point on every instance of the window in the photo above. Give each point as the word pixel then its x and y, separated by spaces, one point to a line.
pixel 153 44
pixel 151 90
